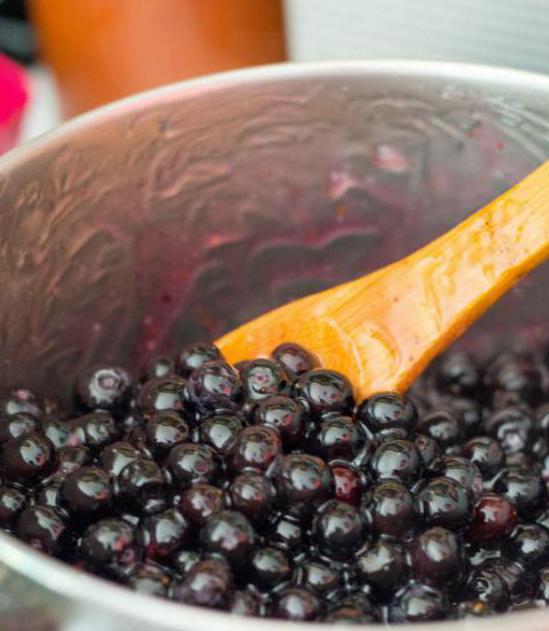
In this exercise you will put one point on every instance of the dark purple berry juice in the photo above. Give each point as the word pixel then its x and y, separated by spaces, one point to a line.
pixel 265 489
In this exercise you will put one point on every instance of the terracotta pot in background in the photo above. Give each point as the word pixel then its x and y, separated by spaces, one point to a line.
pixel 102 50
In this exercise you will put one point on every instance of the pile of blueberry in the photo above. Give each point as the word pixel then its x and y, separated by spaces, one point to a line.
pixel 264 489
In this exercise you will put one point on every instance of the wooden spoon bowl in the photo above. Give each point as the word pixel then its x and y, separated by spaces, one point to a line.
pixel 384 328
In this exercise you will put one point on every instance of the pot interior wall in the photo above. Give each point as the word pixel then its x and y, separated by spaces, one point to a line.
pixel 180 215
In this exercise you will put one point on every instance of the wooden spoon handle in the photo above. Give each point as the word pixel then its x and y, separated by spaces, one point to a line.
pixel 428 299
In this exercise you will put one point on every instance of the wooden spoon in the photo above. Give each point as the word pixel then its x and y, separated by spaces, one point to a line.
pixel 384 328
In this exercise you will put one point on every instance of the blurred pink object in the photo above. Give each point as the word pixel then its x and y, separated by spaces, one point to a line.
pixel 13 98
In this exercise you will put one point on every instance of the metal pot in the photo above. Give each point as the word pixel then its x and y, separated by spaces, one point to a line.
pixel 184 211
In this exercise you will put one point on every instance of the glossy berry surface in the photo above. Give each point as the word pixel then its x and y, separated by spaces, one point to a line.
pixel 494 517
pixel 295 359
pixel 229 534
pixel 262 489
pixel 396 459
pixel 382 564
pixel 86 492
pixel 256 448
pixel 105 388
pixel 297 604
pixel 444 502
pixel 388 509
pixel 387 411
pixel 437 556
pixel 200 501
pixel 196 355
pixel 262 378
pixel 283 414
pixel 208 584
pixel 325 391
pixel 29 457
pixel 337 528
pixel 303 482
pixel 338 438
pixel 215 386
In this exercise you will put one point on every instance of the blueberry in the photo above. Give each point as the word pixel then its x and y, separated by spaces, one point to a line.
pixel 387 411
pixel 140 487
pixel 458 374
pixel 43 528
pixel 95 431
pixel 107 544
pixel 286 533
pixel 428 449
pixel 246 603
pixel 283 414
pixel 256 448
pixel 86 492
pixel 318 576
pixel 116 456
pixel 252 495
pixel 229 534
pixel 195 356
pixel 57 430
pixel 103 387
pixel 17 425
pixel 161 395
pixel 494 517
pixel 486 453
pixel 444 502
pixel 20 400
pixel 418 603
pixel 444 426
pixel 302 482
pixel 163 431
pixel 513 574
pixel 338 438
pixel 263 378
pixel 27 458
pixel 151 579
pixel 163 534
pixel 337 528
pixel 208 584
pixel 542 588
pixel 221 432
pixel 513 427
pixel 462 471
pixel 324 392
pixel 348 482
pixel 297 604
pixel 294 359
pixel 12 502
pixel 525 489
pixel 388 508
pixel 200 501
pixel 188 463
pixel 215 387
pixel 529 545
pixel 184 560
pixel 486 585
pixel 382 564
pixel 437 556
pixel 159 366
pixel 516 375
pixel 398 459
pixel 269 567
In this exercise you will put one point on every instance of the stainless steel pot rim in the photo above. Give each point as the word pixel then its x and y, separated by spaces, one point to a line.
pixel 90 591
